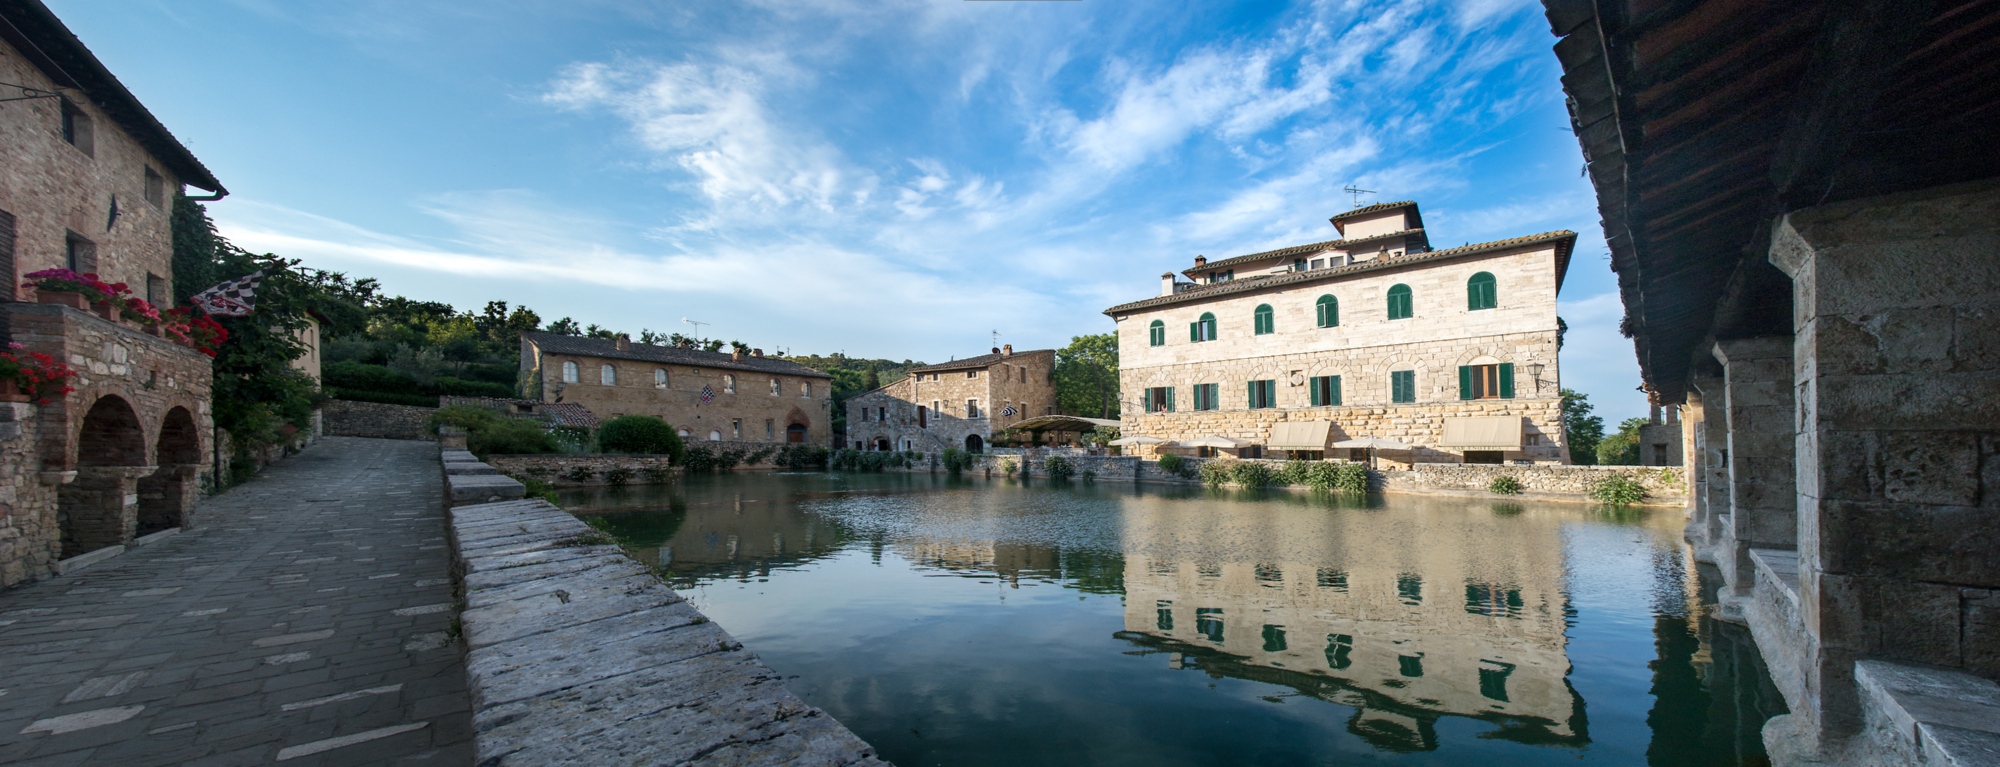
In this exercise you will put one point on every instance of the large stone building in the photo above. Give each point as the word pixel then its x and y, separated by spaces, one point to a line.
pixel 1374 334
pixel 959 404
pixel 1809 258
pixel 708 396
pixel 87 178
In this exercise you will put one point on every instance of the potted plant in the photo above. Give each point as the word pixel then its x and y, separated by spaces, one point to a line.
pixel 66 288
pixel 140 312
pixel 35 376
pixel 203 332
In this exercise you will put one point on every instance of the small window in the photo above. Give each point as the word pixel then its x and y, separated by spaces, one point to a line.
pixel 1207 396
pixel 1298 264
pixel 728 384
pixel 770 429
pixel 1327 311
pixel 660 378
pixel 607 375
pixel 685 434
pixel 76 128
pixel 972 408
pixel 1160 399
pixel 924 416
pixel 156 290
pixel 806 390
pixel 155 189
pixel 775 388
pixel 1338 649
pixel 79 253
pixel 1156 335
pixel 1262 319
pixel 570 374
pixel 1325 391
pixel 1401 306
pixel 714 436
pixel 1403 386
pixel 882 414
pixel 1486 381
pixel 1481 292
pixel 1202 329
pixel 1319 263
pixel 971 374
pixel 736 429
pixel 1263 394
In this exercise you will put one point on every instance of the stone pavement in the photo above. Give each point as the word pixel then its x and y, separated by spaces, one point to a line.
pixel 306 622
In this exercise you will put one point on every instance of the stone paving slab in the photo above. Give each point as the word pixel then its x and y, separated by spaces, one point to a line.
pixel 308 620
pixel 581 656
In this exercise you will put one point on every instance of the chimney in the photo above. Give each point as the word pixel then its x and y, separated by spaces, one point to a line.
pixel 1167 284
pixel 756 352
pixel 624 343
pixel 736 354
pixel 1006 350
pixel 1200 261
pixel 1655 419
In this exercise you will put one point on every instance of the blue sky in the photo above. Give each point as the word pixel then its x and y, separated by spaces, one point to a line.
pixel 883 178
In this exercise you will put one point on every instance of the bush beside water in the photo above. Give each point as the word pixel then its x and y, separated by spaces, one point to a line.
pixel 1504 485
pixel 1618 491
pixel 642 434
pixel 1058 468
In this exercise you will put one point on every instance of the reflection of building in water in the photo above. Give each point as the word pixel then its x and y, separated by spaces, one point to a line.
pixel 723 535
pixel 1405 618
pixel 1082 569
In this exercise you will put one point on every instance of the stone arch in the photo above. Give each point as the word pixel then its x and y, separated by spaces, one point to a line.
pixel 168 494
pixel 91 511
pixel 974 444
pixel 797 425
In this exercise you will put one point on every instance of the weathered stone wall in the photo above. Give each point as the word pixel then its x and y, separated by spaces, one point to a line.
pixel 1020 380
pixel 29 541
pixel 343 418
pixel 1420 425
pixel 744 400
pixel 1664 486
pixel 565 470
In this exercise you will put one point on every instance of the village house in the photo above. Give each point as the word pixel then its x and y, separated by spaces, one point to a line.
pixel 1286 352
pixel 959 404
pixel 707 396
pixel 87 179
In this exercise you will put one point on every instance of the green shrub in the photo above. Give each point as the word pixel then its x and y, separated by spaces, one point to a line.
pixel 465 417
pixel 643 434
pixel 760 456
pixel 802 457
pixel 537 488
pixel 383 397
pixel 573 440
pixel 1350 478
pixel 956 460
pixel 1089 476
pixel 1504 485
pixel 697 459
pixel 1618 490
pixel 1059 468
pixel 579 474
pixel 507 436
pixel 1252 474
pixel 459 387
pixel 1317 475
pixel 1176 466
pixel 1009 466
pixel 618 477
pixel 1216 472
pixel 1294 472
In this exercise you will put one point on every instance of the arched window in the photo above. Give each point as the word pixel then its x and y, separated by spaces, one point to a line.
pixel 1481 292
pixel 715 436
pixel 1261 318
pixel 659 378
pixel 1156 334
pixel 774 387
pixel 1400 304
pixel 1202 329
pixel 1328 310
pixel 570 373
pixel 607 375
pixel 728 383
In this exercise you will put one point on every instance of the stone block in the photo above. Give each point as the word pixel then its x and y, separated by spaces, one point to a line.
pixel 1976 338
pixel 1929 467
pixel 1980 630
pixel 1946 401
pixel 1941 545
pixel 1952 717
pixel 477 488
pixel 468 467
pixel 1890 618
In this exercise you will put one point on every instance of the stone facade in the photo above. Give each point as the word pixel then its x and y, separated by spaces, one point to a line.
pixel 931 408
pixel 755 398
pixel 1443 342
pixel 343 418
pixel 1664 487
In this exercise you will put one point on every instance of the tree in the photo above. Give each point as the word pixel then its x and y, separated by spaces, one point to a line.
pixel 1086 376
pixel 1583 430
pixel 1622 448
pixel 565 326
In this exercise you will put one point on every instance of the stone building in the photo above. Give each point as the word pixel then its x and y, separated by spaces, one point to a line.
pixel 87 178
pixel 708 396
pixel 1810 264
pixel 959 404
pixel 1374 334
pixel 1660 440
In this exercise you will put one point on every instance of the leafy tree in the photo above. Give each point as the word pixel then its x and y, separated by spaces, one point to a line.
pixel 1622 448
pixel 1086 376
pixel 1583 429
pixel 565 326
pixel 641 434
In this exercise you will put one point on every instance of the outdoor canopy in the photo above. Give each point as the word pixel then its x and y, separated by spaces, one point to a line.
pixel 1483 433
pixel 1373 443
pixel 1138 440
pixel 1225 443
pixel 1300 435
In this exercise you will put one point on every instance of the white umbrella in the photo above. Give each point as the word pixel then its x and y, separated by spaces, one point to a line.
pixel 1139 440
pixel 1221 442
pixel 1372 443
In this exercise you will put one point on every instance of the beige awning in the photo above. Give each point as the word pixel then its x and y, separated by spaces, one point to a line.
pixel 1299 435
pixel 1226 443
pixel 1483 433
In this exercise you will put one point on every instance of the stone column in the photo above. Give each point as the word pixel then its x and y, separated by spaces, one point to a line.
pixel 98 509
pixel 1708 474
pixel 1897 317
pixel 1757 457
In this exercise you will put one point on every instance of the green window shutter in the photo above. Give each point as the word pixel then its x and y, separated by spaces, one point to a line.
pixel 1317 399
pixel 1194 331
pixel 1250 399
pixel 1333 390
pixel 1170 399
pixel 1506 380
pixel 1465 382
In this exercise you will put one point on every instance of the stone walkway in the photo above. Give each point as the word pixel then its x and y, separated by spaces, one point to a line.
pixel 305 622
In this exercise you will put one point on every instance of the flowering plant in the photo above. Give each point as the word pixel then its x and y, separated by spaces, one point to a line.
pixel 38 374
pixel 139 310
pixel 87 283
pixel 197 328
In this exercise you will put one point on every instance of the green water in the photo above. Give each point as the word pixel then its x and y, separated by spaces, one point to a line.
pixel 986 622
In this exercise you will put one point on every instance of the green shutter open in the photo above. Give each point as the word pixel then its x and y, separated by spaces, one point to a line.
pixel 1465 382
pixel 1194 331
pixel 1506 380
pixel 1170 399
pixel 1333 390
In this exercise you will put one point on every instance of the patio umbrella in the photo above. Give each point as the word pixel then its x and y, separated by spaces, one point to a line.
pixel 1138 440
pixel 1372 444
pixel 1213 441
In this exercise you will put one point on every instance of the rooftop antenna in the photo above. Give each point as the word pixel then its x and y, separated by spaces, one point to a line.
pixel 696 323
pixel 1357 192
pixel 996 339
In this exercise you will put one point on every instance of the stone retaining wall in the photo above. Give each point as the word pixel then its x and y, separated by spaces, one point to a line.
pixel 1664 485
pixel 344 418
pixel 565 470
pixel 29 546
pixel 578 655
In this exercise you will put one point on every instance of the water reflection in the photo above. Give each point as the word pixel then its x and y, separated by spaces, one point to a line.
pixel 1411 626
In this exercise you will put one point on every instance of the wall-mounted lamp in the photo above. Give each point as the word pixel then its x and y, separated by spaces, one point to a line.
pixel 1535 372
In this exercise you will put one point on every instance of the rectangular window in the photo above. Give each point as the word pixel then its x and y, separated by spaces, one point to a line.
pixel 7 257
pixel 770 429
pixel 1403 386
pixel 882 414
pixel 76 128
pixel 736 429
pixel 155 190
pixel 1160 399
pixel 972 408
pixel 79 254
pixel 1325 391
pixel 971 374
pixel 156 290
pixel 1486 381
pixel 1207 396
pixel 1263 394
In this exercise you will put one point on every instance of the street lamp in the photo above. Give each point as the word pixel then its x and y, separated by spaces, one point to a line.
pixel 1535 372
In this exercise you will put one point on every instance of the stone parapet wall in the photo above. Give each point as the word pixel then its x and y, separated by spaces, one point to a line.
pixel 1664 485
pixel 566 470
pixel 344 418
pixel 29 543
pixel 1421 424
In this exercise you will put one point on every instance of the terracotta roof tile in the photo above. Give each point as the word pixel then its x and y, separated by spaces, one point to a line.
pixel 1311 247
pixel 580 346
pixel 980 361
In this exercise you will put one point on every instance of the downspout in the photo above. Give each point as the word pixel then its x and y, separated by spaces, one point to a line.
pixel 219 194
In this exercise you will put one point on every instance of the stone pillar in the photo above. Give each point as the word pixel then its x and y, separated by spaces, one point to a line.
pixel 1763 507
pixel 1707 473
pixel 99 508
pixel 1897 317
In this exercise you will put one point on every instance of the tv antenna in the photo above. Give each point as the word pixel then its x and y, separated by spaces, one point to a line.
pixel 696 323
pixel 1357 192
pixel 996 338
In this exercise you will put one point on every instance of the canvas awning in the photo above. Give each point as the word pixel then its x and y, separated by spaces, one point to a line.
pixel 1483 433
pixel 1226 443
pixel 1138 440
pixel 1372 443
pixel 1299 435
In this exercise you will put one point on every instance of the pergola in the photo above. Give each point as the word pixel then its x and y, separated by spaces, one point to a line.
pixel 1062 424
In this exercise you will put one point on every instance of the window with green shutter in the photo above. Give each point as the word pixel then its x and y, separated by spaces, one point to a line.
pixel 1401 305
pixel 1482 292
pixel 1263 394
pixel 1486 381
pixel 1328 310
pixel 1202 329
pixel 1262 319
pixel 1325 391
pixel 1205 397
pixel 1156 334
pixel 1403 386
